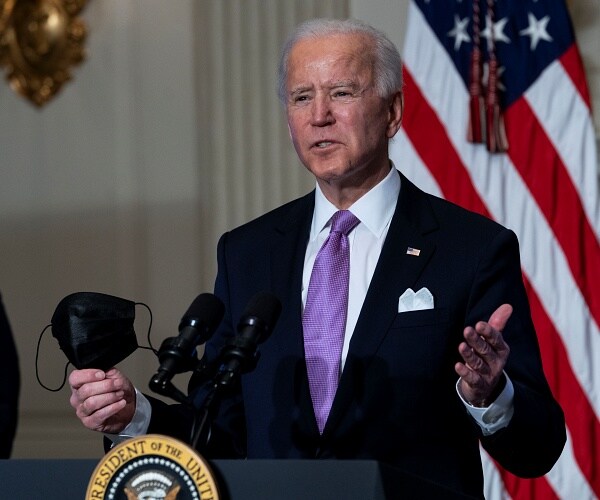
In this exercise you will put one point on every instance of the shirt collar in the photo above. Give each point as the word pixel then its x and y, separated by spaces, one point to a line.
pixel 374 209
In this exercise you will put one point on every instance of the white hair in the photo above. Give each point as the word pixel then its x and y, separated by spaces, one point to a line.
pixel 386 58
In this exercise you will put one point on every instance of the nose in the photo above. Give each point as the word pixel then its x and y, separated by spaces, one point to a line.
pixel 321 112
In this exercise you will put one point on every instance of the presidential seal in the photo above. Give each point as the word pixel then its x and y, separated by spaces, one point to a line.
pixel 152 467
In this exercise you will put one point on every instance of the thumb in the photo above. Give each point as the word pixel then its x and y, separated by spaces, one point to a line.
pixel 500 317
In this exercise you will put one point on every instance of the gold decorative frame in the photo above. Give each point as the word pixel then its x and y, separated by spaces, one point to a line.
pixel 40 41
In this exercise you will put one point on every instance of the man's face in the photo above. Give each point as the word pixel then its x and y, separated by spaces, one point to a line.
pixel 339 125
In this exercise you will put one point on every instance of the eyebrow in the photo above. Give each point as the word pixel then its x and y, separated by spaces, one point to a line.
pixel 345 83
pixel 300 90
pixel 335 85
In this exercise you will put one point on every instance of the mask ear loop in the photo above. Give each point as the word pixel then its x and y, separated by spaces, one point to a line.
pixel 151 348
pixel 37 375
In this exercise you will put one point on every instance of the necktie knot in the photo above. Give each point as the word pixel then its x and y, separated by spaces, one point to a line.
pixel 343 221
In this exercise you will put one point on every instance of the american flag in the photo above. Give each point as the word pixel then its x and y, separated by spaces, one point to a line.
pixel 413 251
pixel 543 185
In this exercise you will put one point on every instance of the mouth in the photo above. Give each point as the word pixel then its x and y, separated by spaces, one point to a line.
pixel 323 144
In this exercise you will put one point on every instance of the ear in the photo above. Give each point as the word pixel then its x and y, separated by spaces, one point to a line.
pixel 395 112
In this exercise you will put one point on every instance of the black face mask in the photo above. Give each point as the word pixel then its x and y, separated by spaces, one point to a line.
pixel 94 330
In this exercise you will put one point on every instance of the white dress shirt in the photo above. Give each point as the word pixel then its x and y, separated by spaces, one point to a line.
pixel 374 210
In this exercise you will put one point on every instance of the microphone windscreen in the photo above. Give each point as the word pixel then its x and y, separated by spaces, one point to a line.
pixel 206 309
pixel 265 307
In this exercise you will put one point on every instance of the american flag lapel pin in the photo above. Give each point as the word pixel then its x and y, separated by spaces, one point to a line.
pixel 413 251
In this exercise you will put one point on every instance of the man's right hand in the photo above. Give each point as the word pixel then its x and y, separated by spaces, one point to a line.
pixel 103 401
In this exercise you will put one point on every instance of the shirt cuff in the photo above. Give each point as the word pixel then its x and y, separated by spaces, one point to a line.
pixel 139 423
pixel 498 414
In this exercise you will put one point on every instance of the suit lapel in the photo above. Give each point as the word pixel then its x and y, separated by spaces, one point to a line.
pixel 287 264
pixel 287 257
pixel 395 272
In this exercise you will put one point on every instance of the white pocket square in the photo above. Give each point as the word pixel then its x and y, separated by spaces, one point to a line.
pixel 415 301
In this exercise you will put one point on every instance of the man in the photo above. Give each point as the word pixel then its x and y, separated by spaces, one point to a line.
pixel 417 387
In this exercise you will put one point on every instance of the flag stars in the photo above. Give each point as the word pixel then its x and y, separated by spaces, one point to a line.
pixel 486 75
pixel 459 32
pixel 497 31
pixel 536 30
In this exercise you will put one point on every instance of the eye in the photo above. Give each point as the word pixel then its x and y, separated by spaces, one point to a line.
pixel 300 98
pixel 343 94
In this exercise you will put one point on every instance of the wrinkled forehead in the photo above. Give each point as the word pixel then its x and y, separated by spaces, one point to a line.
pixel 357 45
pixel 330 56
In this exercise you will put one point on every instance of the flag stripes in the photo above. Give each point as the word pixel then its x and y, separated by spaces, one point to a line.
pixel 583 425
pixel 546 190
pixel 566 480
pixel 564 113
pixel 572 64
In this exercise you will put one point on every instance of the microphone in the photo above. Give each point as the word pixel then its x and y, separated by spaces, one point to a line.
pixel 240 355
pixel 177 354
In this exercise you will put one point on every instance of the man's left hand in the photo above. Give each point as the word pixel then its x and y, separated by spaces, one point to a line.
pixel 484 353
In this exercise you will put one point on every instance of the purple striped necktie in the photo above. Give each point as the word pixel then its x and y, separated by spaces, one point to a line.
pixel 324 320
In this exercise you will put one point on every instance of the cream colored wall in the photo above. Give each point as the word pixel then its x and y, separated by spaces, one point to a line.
pixel 169 134
pixel 97 191
pixel 586 19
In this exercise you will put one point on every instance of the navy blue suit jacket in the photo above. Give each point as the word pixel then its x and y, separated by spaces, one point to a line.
pixel 396 401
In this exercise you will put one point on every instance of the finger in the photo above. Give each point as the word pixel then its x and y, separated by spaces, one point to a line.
pixel 472 359
pixel 77 378
pixel 493 337
pixel 469 376
pixel 120 381
pixel 462 370
pixel 113 373
pixel 99 419
pixel 478 343
pixel 92 389
pixel 95 403
pixel 74 401
pixel 500 317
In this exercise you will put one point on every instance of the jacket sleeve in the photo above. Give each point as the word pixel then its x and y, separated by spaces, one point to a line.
pixel 535 436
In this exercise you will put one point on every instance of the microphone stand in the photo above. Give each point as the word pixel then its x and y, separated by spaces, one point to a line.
pixel 239 356
pixel 160 383
pixel 203 417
